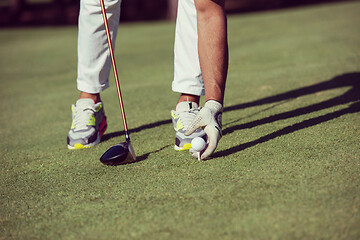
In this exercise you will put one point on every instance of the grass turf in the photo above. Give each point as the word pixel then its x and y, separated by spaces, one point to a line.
pixel 287 166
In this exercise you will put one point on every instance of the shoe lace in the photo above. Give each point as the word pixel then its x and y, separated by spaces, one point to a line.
pixel 82 117
pixel 186 117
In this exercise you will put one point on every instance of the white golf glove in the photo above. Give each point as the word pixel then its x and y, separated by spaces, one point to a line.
pixel 210 119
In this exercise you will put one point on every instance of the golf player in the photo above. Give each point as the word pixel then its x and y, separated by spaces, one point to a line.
pixel 200 68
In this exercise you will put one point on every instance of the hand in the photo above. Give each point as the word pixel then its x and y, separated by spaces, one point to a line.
pixel 210 119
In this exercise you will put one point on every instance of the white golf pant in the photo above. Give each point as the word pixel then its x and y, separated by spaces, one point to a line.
pixel 94 63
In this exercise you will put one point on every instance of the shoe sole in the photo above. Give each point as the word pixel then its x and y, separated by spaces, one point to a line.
pixel 82 146
pixel 186 146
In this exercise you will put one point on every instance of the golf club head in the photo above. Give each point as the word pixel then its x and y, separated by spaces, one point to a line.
pixel 121 153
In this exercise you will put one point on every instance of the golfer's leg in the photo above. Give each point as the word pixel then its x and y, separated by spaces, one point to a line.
pixel 187 73
pixel 213 57
pixel 213 47
pixel 94 61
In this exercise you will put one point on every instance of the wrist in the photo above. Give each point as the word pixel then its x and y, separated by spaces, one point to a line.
pixel 214 106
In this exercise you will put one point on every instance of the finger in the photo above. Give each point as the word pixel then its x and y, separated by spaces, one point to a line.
pixel 209 150
pixel 202 119
pixel 213 138
pixel 193 126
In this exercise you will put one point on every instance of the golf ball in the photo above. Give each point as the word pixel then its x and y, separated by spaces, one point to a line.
pixel 198 144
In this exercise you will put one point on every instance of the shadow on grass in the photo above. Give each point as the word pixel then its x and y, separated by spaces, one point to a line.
pixel 353 108
pixel 352 96
pixel 138 129
pixel 146 155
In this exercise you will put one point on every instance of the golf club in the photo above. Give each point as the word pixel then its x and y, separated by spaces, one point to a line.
pixel 121 153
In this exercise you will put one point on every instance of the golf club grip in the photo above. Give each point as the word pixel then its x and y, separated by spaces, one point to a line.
pixel 114 66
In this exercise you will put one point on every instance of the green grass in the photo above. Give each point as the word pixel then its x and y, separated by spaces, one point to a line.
pixel 287 166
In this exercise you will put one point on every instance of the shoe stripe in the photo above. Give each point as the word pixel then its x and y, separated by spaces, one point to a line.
pixel 173 115
pixel 179 125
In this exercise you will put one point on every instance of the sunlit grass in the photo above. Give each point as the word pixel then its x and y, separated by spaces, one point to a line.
pixel 287 166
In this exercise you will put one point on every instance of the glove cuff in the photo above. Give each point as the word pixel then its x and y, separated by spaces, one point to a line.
pixel 214 106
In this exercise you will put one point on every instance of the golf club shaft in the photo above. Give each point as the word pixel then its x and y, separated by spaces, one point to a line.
pixel 114 68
